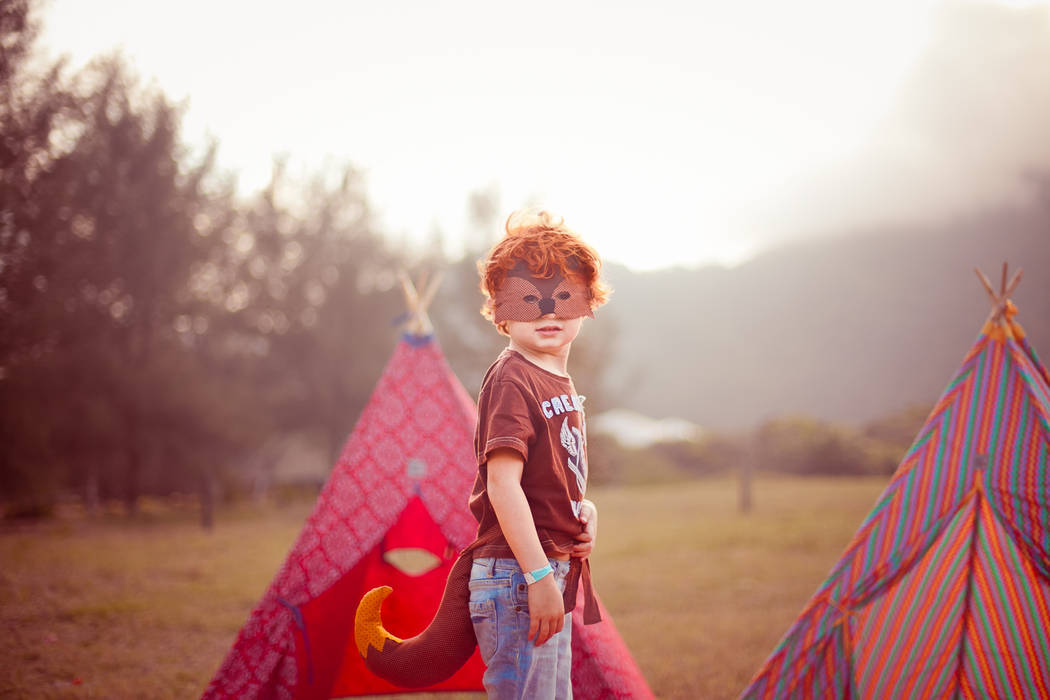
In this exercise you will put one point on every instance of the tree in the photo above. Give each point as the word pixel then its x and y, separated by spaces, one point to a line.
pixel 34 110
pixel 156 329
pixel 99 234
pixel 315 283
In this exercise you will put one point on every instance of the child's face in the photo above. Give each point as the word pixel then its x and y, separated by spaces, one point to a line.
pixel 548 335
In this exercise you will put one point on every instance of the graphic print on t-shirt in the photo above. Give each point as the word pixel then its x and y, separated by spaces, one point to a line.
pixel 572 441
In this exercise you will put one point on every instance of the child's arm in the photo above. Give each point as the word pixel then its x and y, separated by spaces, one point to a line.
pixel 546 609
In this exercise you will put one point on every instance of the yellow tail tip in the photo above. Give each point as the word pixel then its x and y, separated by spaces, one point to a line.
pixel 368 623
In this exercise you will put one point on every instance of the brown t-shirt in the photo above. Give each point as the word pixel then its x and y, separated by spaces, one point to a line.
pixel 539 415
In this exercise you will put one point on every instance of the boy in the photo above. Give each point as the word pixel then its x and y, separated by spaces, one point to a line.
pixel 535 527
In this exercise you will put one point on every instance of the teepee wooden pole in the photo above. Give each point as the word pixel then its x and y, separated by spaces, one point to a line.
pixel 1000 300
pixel 430 291
pixel 419 323
pixel 421 285
pixel 411 297
pixel 987 285
pixel 411 301
pixel 1013 283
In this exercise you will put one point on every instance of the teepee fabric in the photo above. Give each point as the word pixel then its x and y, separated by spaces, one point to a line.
pixel 402 481
pixel 944 591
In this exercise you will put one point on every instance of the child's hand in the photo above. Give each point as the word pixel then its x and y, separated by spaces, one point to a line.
pixel 546 610
pixel 586 540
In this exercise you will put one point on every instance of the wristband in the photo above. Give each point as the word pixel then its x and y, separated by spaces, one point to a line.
pixel 532 577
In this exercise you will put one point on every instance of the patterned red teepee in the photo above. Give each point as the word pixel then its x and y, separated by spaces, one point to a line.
pixel 402 481
pixel 944 591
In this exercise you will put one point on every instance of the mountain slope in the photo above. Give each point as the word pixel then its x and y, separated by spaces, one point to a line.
pixel 842 329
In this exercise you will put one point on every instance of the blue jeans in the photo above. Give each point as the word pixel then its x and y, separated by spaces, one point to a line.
pixel 499 608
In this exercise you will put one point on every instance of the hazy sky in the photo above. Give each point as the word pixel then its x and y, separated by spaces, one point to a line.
pixel 666 133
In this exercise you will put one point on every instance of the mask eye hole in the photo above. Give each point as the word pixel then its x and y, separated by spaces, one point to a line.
pixel 532 298
pixel 564 295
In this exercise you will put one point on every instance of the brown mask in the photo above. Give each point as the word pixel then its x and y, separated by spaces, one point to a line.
pixel 525 297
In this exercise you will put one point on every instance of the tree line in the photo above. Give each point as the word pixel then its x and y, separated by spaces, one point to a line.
pixel 790 445
pixel 157 327
pixel 159 330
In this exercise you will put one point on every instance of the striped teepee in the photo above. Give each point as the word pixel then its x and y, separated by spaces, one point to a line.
pixel 944 591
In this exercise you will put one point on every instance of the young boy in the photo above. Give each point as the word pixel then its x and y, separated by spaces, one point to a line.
pixel 535 528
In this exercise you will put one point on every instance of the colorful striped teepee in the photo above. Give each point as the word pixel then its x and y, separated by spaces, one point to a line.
pixel 944 592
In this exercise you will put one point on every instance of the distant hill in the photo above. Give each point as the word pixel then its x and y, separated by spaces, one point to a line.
pixel 846 328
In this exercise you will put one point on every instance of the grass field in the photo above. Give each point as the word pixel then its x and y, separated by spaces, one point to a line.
pixel 700 593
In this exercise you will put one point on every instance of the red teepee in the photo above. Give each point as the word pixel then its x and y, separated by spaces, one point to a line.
pixel 402 482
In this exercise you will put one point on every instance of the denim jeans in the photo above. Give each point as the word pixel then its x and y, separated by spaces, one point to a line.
pixel 499 609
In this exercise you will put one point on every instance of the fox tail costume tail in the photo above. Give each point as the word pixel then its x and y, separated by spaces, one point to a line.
pixel 431 656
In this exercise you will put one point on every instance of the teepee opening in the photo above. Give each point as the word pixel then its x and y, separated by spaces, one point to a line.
pixel 412 561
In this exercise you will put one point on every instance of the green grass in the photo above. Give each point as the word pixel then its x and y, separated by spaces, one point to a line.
pixel 106 610
pixel 700 593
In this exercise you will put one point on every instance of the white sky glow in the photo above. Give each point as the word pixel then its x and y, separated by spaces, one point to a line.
pixel 665 134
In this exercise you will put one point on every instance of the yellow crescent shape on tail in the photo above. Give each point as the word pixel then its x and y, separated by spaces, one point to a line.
pixel 368 623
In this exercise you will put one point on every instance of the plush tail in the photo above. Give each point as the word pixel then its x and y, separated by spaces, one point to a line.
pixel 432 655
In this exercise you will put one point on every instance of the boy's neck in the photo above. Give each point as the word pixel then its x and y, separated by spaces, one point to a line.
pixel 556 363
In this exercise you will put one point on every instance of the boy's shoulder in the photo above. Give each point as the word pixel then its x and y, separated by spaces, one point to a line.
pixel 511 367
pixel 508 368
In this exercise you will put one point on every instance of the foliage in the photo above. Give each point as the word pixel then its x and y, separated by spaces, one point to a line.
pixel 899 428
pixel 164 335
pixel 156 329
pixel 612 463
pixel 794 445
pixel 609 462
pixel 96 249
pixel 313 284
pixel 801 445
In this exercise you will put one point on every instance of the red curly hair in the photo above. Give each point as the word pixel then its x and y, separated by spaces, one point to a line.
pixel 547 246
